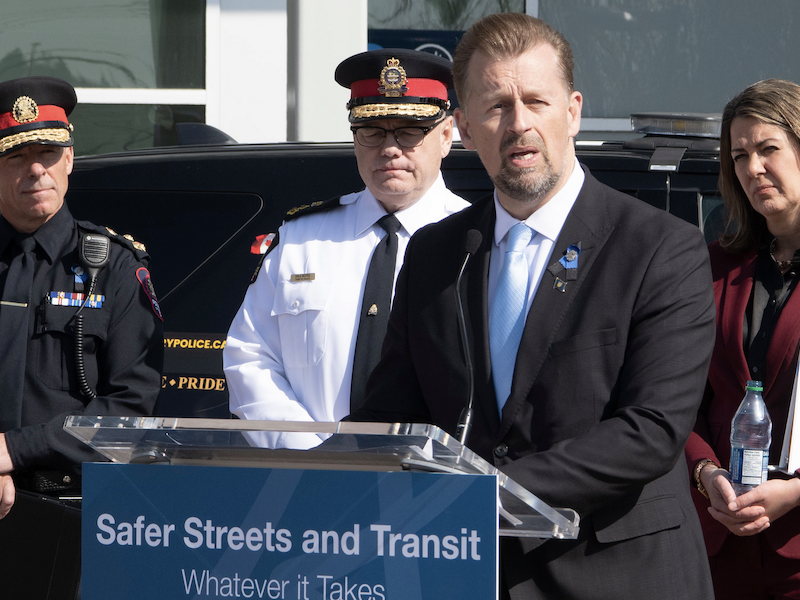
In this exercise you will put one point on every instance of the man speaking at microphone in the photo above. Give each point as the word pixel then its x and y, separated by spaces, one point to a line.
pixel 590 320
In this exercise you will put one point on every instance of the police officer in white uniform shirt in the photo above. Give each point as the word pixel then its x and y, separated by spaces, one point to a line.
pixel 311 325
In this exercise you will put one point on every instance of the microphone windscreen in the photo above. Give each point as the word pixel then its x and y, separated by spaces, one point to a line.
pixel 472 241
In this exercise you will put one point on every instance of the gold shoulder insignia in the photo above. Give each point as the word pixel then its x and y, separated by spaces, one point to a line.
pixel 297 209
pixel 314 207
pixel 137 245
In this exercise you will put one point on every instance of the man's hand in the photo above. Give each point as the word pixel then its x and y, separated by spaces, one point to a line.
pixel 7 490
pixel 6 466
pixel 7 494
pixel 741 518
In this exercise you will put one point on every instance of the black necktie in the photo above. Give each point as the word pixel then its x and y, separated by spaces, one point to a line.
pixel 375 308
pixel 14 312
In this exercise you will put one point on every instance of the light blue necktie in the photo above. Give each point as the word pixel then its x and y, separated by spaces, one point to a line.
pixel 508 311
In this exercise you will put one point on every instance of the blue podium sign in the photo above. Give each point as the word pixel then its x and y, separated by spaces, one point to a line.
pixel 159 531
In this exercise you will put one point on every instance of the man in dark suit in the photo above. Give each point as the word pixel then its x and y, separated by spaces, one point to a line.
pixel 590 337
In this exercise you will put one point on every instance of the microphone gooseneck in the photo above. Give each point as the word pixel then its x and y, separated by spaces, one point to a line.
pixel 471 243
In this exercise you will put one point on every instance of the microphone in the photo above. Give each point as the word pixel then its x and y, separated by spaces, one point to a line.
pixel 471 243
pixel 93 255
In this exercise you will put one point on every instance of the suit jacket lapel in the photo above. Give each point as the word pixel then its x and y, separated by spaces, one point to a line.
pixel 732 308
pixel 783 348
pixel 476 310
pixel 588 224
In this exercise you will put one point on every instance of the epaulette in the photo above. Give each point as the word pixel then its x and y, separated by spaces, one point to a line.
pixel 297 211
pixel 314 207
pixel 126 240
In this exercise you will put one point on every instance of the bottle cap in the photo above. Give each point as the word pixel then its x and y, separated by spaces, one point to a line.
pixel 756 386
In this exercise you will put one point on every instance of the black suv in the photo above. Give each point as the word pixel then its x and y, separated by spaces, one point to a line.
pixel 199 208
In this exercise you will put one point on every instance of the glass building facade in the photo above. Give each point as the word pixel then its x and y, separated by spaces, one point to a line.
pixel 110 47
pixel 141 65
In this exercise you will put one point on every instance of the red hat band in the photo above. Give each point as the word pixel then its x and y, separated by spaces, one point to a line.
pixel 28 112
pixel 421 88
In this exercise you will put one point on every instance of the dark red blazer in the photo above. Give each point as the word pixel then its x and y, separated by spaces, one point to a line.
pixel 733 283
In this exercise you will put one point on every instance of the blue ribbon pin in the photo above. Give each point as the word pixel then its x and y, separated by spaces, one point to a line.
pixel 570 258
pixel 80 274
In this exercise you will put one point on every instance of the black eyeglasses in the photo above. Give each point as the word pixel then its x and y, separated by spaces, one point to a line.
pixel 406 137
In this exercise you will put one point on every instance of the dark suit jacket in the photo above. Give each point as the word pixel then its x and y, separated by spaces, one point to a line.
pixel 733 284
pixel 607 382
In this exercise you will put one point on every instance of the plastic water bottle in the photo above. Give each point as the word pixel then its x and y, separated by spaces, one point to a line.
pixel 751 436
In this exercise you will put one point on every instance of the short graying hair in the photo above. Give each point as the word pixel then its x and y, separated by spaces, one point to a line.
pixel 508 35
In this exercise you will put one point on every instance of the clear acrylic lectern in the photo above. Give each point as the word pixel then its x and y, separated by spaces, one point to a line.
pixel 350 446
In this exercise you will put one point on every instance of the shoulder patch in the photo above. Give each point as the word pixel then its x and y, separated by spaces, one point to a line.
pixel 273 243
pixel 143 275
pixel 314 207
pixel 262 243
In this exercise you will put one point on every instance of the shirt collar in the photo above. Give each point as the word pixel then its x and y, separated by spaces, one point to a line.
pixel 412 218
pixel 53 235
pixel 50 237
pixel 7 233
pixel 550 218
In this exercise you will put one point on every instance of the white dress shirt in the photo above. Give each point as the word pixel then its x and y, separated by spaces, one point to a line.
pixel 289 352
pixel 546 222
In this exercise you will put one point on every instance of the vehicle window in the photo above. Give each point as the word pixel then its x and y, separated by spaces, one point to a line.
pixel 97 126
pixel 200 269
pixel 462 178
pixel 712 216
pixel 646 186
pixel 183 231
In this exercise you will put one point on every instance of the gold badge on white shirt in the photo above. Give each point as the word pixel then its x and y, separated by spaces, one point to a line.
pixel 296 277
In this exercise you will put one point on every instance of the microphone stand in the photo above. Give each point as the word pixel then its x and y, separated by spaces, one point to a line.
pixel 473 240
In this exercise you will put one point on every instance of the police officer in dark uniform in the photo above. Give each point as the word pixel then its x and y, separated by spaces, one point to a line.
pixel 80 325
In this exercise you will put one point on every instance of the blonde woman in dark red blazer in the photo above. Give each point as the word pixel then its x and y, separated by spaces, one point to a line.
pixel 753 541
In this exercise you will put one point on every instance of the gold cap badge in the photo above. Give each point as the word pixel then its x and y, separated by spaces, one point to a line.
pixel 25 110
pixel 393 79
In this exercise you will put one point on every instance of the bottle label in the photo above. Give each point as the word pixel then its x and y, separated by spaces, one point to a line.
pixel 748 466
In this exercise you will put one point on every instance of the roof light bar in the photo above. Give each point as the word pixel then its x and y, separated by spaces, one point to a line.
pixel 707 125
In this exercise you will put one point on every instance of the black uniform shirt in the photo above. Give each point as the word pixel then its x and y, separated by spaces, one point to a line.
pixel 123 345
pixel 771 290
